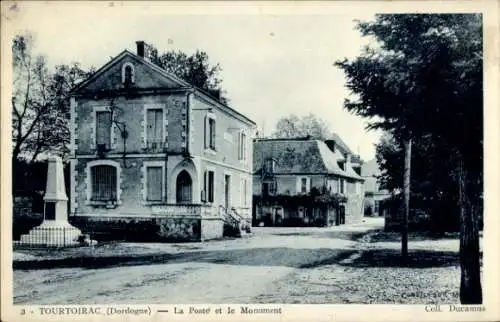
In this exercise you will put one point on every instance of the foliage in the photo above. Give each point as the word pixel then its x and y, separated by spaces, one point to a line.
pixel 194 69
pixel 424 80
pixel 434 190
pixel 310 125
pixel 300 200
pixel 40 102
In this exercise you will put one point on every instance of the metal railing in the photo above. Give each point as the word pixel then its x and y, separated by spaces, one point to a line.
pixel 47 237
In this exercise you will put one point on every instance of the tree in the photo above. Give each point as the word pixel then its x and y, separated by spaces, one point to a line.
pixel 433 191
pixel 40 102
pixel 425 78
pixel 310 125
pixel 194 69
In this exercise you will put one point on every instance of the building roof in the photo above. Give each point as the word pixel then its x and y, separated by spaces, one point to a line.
pixel 299 156
pixel 340 143
pixel 181 83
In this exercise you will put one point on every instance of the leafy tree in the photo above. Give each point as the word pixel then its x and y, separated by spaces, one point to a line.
pixel 40 102
pixel 425 78
pixel 194 69
pixel 310 125
pixel 433 189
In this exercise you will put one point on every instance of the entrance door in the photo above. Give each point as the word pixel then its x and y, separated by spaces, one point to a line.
pixel 227 191
pixel 184 188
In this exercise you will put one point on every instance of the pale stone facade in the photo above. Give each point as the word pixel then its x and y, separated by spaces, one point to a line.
pixel 297 167
pixel 160 152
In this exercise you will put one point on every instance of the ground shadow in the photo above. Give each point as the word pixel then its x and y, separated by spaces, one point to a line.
pixel 281 256
pixel 385 236
pixel 393 258
pixel 333 234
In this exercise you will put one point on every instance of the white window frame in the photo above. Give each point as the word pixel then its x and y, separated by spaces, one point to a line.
pixel 299 184
pixel 342 186
pixel 205 189
pixel 88 180
pixel 242 146
pixel 93 141
pixel 124 66
pixel 145 167
pixel 164 128
pixel 208 135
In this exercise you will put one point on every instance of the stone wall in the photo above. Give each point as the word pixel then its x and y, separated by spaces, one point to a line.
pixel 152 229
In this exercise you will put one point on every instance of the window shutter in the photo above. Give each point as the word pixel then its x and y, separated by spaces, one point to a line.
pixel 212 134
pixel 154 188
pixel 158 125
pixel 206 132
pixel 103 129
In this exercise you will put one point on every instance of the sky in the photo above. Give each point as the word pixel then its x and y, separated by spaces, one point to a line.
pixel 275 61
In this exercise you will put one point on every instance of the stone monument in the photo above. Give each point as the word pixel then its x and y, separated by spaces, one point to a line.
pixel 55 229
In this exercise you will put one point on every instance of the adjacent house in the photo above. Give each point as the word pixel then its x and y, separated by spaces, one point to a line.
pixel 306 182
pixel 155 158
pixel 374 195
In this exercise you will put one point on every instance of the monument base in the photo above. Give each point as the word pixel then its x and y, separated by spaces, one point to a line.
pixel 53 233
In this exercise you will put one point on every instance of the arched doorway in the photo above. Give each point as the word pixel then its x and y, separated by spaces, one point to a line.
pixel 184 188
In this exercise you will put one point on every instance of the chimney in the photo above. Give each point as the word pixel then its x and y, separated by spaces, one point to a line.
pixel 143 50
pixel 330 144
pixel 215 93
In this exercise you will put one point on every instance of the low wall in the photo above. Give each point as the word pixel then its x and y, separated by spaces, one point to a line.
pixel 144 229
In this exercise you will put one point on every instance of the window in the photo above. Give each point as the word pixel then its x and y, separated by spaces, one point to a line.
pixel 154 128
pixel 341 186
pixel 154 183
pixel 210 131
pixel 128 74
pixel 269 188
pixel 333 186
pixel 104 183
pixel 242 146
pixel 211 124
pixel 208 186
pixel 303 184
pixel 103 130
pixel 269 165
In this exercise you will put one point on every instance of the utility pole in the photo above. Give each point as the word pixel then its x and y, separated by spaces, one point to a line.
pixel 406 202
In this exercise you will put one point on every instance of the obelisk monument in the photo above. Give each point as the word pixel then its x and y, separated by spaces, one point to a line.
pixel 55 229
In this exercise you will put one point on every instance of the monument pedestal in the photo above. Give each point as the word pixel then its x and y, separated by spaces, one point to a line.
pixel 53 233
pixel 55 230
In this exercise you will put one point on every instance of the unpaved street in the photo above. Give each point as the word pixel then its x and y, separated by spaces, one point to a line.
pixel 228 271
pixel 284 265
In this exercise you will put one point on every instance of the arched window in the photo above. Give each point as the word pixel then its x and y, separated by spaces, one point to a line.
pixel 103 183
pixel 128 74
pixel 184 188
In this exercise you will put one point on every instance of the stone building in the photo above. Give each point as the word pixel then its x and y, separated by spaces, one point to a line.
pixel 305 182
pixel 153 157
pixel 374 195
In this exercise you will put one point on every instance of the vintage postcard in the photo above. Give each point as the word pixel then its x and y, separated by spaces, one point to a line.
pixel 268 161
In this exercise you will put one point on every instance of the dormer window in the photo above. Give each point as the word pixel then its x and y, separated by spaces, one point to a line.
pixel 128 74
